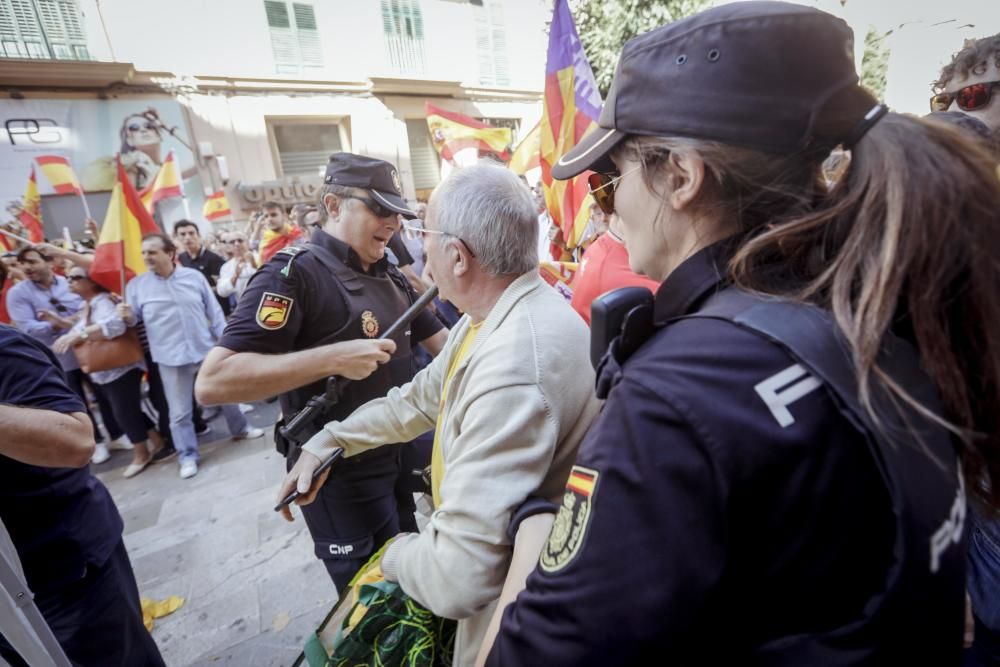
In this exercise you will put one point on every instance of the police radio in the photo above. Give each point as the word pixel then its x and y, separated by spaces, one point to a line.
pixel 609 314
pixel 301 426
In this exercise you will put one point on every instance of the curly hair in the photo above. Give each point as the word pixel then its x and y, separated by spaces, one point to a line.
pixel 972 53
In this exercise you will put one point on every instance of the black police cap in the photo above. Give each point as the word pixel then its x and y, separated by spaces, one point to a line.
pixel 754 74
pixel 377 176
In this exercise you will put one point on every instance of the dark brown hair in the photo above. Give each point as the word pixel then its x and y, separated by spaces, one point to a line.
pixel 973 53
pixel 168 243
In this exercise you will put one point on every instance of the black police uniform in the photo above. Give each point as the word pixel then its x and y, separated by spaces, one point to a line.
pixel 725 510
pixel 315 295
pixel 67 530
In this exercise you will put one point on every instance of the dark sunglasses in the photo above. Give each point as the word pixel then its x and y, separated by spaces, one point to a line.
pixel 135 127
pixel 73 279
pixel 969 98
pixel 602 188
pixel 59 307
pixel 379 210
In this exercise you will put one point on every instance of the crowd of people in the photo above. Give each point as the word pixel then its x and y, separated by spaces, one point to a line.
pixel 788 454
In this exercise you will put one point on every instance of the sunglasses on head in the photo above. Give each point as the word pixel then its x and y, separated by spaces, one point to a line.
pixel 969 98
pixel 602 188
pixel 379 210
pixel 135 127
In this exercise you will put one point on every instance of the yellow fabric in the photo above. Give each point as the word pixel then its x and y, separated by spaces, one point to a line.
pixel 437 457
pixel 159 608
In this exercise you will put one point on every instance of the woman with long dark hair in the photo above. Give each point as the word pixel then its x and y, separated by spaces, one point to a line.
pixel 777 475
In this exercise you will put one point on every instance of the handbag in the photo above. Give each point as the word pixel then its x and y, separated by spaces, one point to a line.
pixel 103 355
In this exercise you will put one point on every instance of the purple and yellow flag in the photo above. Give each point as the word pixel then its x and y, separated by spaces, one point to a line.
pixel 572 107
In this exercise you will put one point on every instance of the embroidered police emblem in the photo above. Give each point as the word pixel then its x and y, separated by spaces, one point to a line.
pixel 272 311
pixel 395 180
pixel 571 522
pixel 369 325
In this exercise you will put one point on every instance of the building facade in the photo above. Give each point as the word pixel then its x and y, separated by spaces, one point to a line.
pixel 262 91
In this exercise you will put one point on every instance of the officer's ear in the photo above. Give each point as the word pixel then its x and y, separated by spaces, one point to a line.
pixel 687 176
pixel 332 203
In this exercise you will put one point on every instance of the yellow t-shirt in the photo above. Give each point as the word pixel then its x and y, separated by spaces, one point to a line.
pixel 437 458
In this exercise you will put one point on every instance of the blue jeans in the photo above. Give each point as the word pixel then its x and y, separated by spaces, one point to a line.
pixel 178 385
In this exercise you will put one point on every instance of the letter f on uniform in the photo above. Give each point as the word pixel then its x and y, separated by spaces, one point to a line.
pixel 778 401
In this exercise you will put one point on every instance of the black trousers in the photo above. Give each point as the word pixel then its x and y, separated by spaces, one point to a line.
pixel 75 379
pixel 97 620
pixel 125 397
pixel 356 511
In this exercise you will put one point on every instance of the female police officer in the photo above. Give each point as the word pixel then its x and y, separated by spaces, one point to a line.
pixel 774 479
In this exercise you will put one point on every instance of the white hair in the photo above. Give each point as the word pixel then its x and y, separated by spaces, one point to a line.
pixel 489 208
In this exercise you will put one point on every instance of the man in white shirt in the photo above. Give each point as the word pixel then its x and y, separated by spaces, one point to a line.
pixel 235 273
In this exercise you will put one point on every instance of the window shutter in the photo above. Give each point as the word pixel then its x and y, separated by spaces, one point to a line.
pixel 484 48
pixel 304 148
pixel 499 50
pixel 308 35
pixel 403 27
pixel 30 32
pixel 424 160
pixel 284 46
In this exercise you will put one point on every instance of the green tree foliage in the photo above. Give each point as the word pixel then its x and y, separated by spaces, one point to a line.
pixel 605 26
pixel 875 62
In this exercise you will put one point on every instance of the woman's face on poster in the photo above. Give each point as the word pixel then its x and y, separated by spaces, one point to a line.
pixel 141 131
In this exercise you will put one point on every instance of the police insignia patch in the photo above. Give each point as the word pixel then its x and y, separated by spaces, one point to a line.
pixel 369 325
pixel 272 311
pixel 571 522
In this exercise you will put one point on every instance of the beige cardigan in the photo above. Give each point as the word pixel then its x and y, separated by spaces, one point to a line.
pixel 519 404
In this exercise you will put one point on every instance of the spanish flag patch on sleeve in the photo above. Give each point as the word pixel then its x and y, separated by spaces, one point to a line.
pixel 571 522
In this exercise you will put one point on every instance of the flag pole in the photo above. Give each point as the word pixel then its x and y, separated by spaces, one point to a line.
pixel 15 236
pixel 83 198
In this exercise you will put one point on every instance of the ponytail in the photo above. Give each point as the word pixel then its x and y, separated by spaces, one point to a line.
pixel 907 241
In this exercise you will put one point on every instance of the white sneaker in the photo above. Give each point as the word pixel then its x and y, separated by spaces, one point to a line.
pixel 249 434
pixel 245 408
pixel 120 443
pixel 188 469
pixel 100 453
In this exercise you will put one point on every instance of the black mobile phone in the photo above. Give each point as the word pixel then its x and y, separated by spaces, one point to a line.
pixel 290 498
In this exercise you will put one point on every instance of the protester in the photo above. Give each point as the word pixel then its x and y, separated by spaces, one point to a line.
pixel 605 266
pixel 277 232
pixel 317 312
pixel 196 256
pixel 969 81
pixel 62 520
pixel 183 320
pixel 44 308
pixel 509 398
pixel 235 273
pixel 99 320
pixel 772 463
pixel 7 280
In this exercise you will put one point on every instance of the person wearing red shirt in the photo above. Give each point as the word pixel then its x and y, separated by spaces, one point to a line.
pixel 605 267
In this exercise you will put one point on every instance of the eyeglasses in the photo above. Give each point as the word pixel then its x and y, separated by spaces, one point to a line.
pixel 969 98
pixel 415 233
pixel 379 210
pixel 603 186
pixel 73 279
pixel 135 127
pixel 59 307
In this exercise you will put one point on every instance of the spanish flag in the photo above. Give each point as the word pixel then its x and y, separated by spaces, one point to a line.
pixel 60 174
pixel 559 275
pixel 118 256
pixel 216 206
pixel 452 132
pixel 167 184
pixel 572 105
pixel 30 215
pixel 271 242
pixel 526 154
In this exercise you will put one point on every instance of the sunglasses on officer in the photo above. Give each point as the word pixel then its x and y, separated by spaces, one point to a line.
pixel 969 98
pixel 373 206
pixel 602 188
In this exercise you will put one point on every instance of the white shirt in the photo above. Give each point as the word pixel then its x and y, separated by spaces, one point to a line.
pixel 225 286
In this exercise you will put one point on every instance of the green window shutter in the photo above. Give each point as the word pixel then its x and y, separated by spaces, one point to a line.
pixel 403 26
pixel 277 14
pixel 424 160
pixel 308 35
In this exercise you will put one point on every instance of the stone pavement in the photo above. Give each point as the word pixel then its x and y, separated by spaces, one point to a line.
pixel 253 589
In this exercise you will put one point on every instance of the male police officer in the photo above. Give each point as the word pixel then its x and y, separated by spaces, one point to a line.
pixel 317 311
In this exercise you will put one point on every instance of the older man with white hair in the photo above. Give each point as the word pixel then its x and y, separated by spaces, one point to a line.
pixel 509 399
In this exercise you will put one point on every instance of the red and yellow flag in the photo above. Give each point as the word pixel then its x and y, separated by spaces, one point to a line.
pixel 167 184
pixel 271 242
pixel 452 132
pixel 216 206
pixel 572 106
pixel 525 156
pixel 60 174
pixel 30 215
pixel 120 244
pixel 559 275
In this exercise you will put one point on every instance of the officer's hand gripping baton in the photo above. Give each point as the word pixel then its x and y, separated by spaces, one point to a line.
pixel 323 467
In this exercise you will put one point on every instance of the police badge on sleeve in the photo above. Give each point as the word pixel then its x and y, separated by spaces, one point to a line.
pixel 571 522
pixel 273 310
